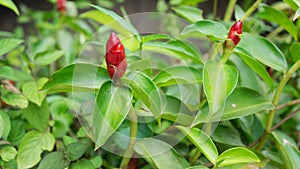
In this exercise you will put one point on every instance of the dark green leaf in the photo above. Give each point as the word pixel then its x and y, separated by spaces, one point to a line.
pixel 82 164
pixel 17 131
pixel 190 13
pixel 55 160
pixel 11 5
pixel 227 135
pixel 295 50
pixel 76 150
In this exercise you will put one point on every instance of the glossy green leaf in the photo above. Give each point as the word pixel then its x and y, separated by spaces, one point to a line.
pixel 209 28
pixel 77 77
pixel 160 154
pixel 273 15
pixel 112 106
pixel 155 37
pixel 32 146
pixel 264 51
pixel 256 66
pixel 176 48
pixel 75 150
pixel 288 150
pixel 292 3
pixel 144 89
pixel 232 77
pixel 7 72
pixel 8 153
pixel 11 5
pixel 178 75
pixel 202 141
pixel 82 164
pixel 5 126
pixel 54 160
pixel 47 57
pixel 236 155
pixel 295 50
pixel 227 135
pixel 8 44
pixel 32 91
pixel 190 13
pixel 37 116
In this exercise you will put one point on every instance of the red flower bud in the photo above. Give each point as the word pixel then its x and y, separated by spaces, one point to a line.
pixel 61 6
pixel 235 32
pixel 115 57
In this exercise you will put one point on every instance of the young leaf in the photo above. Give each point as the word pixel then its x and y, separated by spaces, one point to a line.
pixel 8 153
pixel 160 154
pixel 8 44
pixel 75 150
pixel 15 99
pixel 236 155
pixel 77 77
pixel 31 91
pixel 54 160
pixel 32 146
pixel 11 5
pixel 264 51
pixel 178 75
pixel 112 106
pixel 190 13
pixel 201 141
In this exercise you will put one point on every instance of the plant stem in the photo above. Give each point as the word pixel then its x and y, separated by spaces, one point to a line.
pixel 215 9
pixel 276 98
pixel 226 55
pixel 251 9
pixel 229 10
pixel 133 132
pixel 290 103
pixel 285 119
pixel 195 157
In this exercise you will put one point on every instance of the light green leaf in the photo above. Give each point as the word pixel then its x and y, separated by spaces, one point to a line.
pixel 295 50
pixel 96 161
pixel 186 2
pixel 209 28
pixel 8 44
pixel 178 75
pixel 190 13
pixel 55 160
pixel 47 57
pixel 236 155
pixel 288 150
pixel 32 91
pixel 76 150
pixel 264 51
pixel 144 89
pixel 256 66
pixel 272 15
pixel 82 164
pixel 5 125
pixel 232 77
pixel 297 14
pixel 77 77
pixel 7 72
pixel 201 141
pixel 160 154
pixel 112 106
pixel 155 37
pixel 37 116
pixel 32 146
pixel 11 5
pixel 8 153
pixel 15 99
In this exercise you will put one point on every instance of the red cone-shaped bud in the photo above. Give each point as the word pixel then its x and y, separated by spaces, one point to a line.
pixel 235 32
pixel 115 57
pixel 61 6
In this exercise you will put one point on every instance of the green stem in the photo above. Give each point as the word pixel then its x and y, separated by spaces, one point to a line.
pixel 229 10
pixel 133 132
pixel 276 98
pixel 226 55
pixel 251 9
pixel 195 157
pixel 215 9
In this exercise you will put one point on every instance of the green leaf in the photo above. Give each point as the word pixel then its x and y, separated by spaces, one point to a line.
pixel 295 50
pixel 76 150
pixel 209 28
pixel 54 160
pixel 11 5
pixel 7 72
pixel 112 106
pixel 5 126
pixel 82 164
pixel 37 116
pixel 15 99
pixel 227 135
pixel 8 153
pixel 144 89
pixel 176 48
pixel 17 131
pixel 77 77
pixel 288 150
pixel 264 51
pixel 178 75
pixel 47 57
pixel 272 15
pixel 155 37
pixel 202 141
pixel 32 91
pixel 190 13
pixel 186 2
pixel 256 66
pixel 236 155
pixel 232 77
pixel 160 154
pixel 96 161
pixel 32 146
pixel 8 44
pixel 198 167
pixel 297 14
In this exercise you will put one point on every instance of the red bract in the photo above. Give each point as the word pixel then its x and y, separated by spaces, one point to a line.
pixel 115 57
pixel 235 32
pixel 61 6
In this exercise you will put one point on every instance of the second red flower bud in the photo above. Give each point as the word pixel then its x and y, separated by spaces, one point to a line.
pixel 234 35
